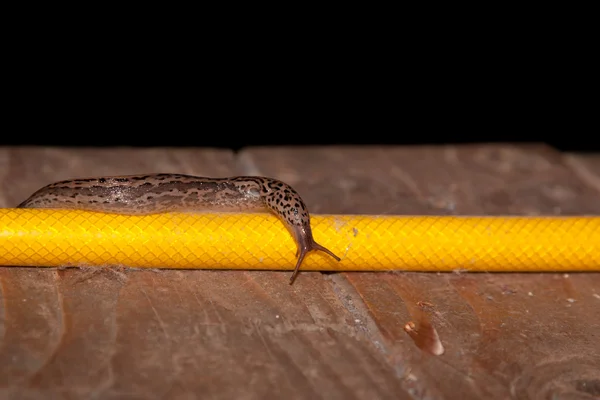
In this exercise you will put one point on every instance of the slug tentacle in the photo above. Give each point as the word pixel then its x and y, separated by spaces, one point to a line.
pixel 306 244
pixel 158 193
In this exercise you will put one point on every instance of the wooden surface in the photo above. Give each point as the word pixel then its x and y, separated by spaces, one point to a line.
pixel 105 333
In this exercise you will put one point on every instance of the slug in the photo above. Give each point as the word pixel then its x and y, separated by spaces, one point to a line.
pixel 159 193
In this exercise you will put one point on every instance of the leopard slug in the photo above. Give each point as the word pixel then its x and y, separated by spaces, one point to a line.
pixel 159 193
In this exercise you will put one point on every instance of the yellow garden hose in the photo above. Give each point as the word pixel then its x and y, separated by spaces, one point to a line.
pixel 53 238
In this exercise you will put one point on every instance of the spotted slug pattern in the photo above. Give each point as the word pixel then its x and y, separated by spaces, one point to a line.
pixel 159 193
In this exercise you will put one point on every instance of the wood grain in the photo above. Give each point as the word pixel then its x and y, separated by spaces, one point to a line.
pixel 587 168
pixel 175 334
pixel 114 333
pixel 505 335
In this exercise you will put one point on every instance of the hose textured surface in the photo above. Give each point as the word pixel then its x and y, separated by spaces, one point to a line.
pixel 53 238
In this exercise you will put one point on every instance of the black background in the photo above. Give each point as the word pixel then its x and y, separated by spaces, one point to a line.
pixel 238 113
pixel 237 127
pixel 438 90
pixel 359 118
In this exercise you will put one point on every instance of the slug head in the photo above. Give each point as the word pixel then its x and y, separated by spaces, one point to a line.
pixel 286 203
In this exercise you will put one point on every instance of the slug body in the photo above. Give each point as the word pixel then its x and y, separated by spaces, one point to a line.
pixel 159 193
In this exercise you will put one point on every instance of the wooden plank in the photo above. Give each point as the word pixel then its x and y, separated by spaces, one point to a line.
pixel 505 335
pixel 173 334
pixel 586 167
pixel 110 333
